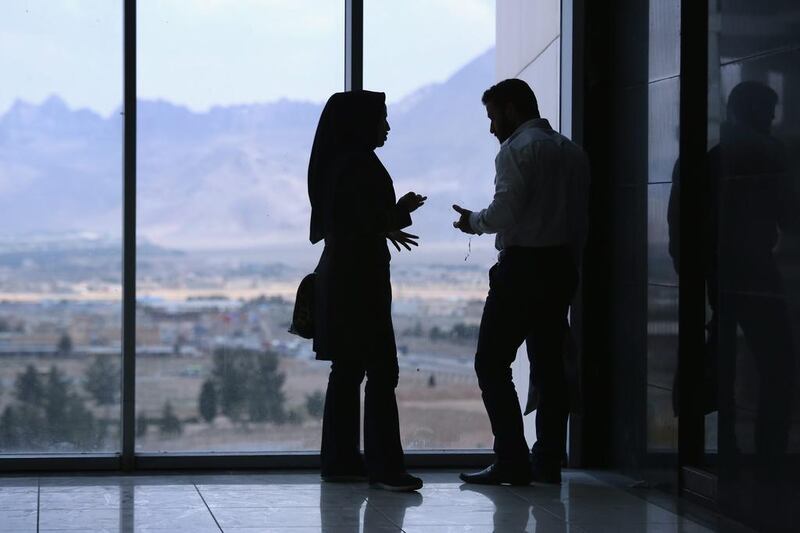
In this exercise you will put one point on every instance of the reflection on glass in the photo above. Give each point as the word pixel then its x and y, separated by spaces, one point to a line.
pixel 754 204
pixel 754 286
pixel 433 75
pixel 60 225
pixel 230 94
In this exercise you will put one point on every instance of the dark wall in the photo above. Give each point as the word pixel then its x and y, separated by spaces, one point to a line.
pixel 733 206
pixel 754 280
pixel 630 287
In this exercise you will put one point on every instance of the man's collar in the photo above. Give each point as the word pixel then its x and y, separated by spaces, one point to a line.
pixel 541 123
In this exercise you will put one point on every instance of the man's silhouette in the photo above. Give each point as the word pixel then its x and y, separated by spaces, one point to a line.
pixel 539 213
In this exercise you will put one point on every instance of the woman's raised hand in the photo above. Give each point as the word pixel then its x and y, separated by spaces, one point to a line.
pixel 411 201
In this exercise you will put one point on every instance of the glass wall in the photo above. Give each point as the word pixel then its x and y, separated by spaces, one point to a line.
pixel 229 94
pixel 434 73
pixel 754 255
pixel 229 97
pixel 60 225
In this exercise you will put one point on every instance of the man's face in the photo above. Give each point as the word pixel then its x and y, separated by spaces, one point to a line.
pixel 500 123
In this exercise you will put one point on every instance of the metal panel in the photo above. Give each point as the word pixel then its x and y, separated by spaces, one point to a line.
pixel 693 138
pixel 59 463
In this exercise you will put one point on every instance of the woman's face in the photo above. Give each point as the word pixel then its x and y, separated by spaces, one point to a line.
pixel 383 130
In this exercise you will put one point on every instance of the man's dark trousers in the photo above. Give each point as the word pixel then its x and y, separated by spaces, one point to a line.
pixel 530 290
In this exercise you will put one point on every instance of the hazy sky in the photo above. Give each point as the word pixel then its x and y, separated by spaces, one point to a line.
pixel 202 53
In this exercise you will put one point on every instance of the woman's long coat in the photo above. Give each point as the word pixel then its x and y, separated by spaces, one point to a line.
pixel 353 294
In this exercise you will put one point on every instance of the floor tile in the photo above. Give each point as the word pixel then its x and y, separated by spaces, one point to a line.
pixel 18 520
pixel 18 498
pixel 256 496
pixel 277 517
pixel 505 519
pixel 157 519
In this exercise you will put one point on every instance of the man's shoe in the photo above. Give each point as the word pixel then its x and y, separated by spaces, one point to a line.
pixel 500 475
pixel 397 483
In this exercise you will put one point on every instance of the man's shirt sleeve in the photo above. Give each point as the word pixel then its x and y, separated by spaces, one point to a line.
pixel 509 195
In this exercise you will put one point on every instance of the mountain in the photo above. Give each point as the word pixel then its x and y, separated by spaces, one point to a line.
pixel 232 176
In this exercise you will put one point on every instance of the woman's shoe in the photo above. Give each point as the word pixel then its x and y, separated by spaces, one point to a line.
pixel 397 483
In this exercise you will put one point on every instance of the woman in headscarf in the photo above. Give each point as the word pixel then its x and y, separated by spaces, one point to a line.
pixel 355 211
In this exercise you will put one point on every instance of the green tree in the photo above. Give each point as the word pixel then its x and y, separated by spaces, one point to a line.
pixel 83 431
pixel 169 424
pixel 266 399
pixel 102 380
pixel 22 428
pixel 142 425
pixel 28 387
pixel 56 403
pixel 249 381
pixel 64 346
pixel 207 402
pixel 10 439
pixel 229 377
pixel 315 404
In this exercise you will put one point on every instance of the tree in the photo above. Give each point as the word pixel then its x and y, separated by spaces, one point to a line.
pixel 64 346
pixel 169 424
pixel 229 378
pixel 102 380
pixel 436 333
pixel 28 387
pixel 266 399
pixel 207 402
pixel 57 395
pixel 142 424
pixel 48 414
pixel 10 440
pixel 83 430
pixel 249 380
pixel 315 404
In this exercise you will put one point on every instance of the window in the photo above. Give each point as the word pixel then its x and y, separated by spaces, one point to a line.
pixel 229 98
pixel 60 214
pixel 434 74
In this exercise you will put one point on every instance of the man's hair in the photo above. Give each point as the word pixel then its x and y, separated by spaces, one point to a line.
pixel 516 92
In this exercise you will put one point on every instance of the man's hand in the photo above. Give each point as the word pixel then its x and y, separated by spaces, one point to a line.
pixel 401 237
pixel 463 222
pixel 411 201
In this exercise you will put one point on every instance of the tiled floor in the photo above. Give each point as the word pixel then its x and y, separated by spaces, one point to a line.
pixel 299 503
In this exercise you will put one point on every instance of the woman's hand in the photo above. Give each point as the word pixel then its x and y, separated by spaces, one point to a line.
pixel 411 201
pixel 401 237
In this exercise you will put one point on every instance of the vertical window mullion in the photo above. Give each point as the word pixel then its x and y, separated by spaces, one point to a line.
pixel 128 404
pixel 353 45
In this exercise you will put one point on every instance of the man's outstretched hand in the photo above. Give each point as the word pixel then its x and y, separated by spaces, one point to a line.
pixel 463 221
pixel 401 237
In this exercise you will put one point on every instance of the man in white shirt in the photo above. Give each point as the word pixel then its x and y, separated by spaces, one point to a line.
pixel 539 215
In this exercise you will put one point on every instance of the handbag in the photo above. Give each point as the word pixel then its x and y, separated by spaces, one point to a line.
pixel 303 315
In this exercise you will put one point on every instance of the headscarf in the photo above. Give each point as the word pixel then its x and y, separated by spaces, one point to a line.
pixel 348 124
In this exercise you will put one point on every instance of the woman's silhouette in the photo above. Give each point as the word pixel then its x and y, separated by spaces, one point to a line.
pixel 354 209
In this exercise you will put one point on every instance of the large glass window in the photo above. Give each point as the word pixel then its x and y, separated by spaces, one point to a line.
pixel 60 225
pixel 230 94
pixel 434 59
